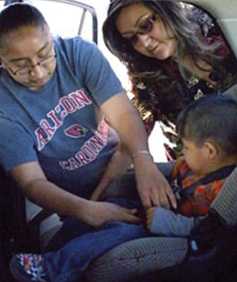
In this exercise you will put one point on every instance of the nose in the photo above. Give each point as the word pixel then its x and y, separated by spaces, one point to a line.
pixel 37 71
pixel 144 40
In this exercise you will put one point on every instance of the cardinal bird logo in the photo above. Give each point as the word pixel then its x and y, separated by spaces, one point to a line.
pixel 75 131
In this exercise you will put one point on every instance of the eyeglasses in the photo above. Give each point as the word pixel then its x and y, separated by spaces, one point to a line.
pixel 26 70
pixel 144 27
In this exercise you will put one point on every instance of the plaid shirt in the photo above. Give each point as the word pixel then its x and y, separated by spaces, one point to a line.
pixel 199 202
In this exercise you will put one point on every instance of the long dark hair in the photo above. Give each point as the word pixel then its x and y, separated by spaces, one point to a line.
pixel 160 85
pixel 173 15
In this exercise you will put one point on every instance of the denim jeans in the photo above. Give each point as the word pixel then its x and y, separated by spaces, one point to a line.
pixel 68 263
pixel 79 244
pixel 76 245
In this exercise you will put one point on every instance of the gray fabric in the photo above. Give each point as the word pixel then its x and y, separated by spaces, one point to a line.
pixel 226 202
pixel 169 224
pixel 125 186
pixel 137 257
pixel 232 92
pixel 142 256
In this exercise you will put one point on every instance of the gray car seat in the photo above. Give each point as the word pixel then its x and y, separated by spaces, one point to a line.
pixel 133 260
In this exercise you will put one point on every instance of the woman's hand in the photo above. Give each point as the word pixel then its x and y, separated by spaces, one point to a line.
pixel 99 213
pixel 153 188
pixel 117 167
pixel 149 217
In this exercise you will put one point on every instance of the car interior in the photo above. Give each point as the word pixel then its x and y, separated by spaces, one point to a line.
pixel 25 227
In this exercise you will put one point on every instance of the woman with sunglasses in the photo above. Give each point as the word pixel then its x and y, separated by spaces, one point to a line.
pixel 174 54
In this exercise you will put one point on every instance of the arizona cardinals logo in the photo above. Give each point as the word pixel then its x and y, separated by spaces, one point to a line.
pixel 75 131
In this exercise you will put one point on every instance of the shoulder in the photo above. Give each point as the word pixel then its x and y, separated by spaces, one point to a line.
pixel 78 53
pixel 74 42
pixel 75 47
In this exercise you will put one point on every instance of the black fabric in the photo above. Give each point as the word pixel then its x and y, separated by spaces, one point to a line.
pixel 4 244
pixel 219 174
pixel 15 234
pixel 7 238
pixel 211 230
pixel 215 261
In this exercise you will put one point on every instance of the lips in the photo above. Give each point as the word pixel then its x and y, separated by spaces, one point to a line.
pixel 36 85
pixel 39 82
pixel 152 48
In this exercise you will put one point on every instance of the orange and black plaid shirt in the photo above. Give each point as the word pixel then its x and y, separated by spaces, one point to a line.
pixel 199 202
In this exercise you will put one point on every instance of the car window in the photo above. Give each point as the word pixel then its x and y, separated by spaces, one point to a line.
pixel 68 18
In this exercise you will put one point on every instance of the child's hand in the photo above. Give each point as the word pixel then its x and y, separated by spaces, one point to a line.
pixel 149 217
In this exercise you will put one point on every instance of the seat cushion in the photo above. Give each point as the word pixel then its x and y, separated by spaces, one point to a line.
pixel 133 259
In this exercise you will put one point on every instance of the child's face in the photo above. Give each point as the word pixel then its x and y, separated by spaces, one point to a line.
pixel 195 156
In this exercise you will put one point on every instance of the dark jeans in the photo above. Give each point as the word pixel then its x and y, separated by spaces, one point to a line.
pixel 68 263
pixel 77 244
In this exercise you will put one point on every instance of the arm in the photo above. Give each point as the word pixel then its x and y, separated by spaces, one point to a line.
pixel 122 116
pixel 117 167
pixel 152 186
pixel 46 194
pixel 165 222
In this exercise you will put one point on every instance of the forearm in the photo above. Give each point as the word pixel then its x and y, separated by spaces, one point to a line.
pixel 51 197
pixel 127 122
pixel 152 187
pixel 37 188
pixel 132 132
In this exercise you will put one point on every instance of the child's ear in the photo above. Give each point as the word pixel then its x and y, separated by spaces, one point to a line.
pixel 211 150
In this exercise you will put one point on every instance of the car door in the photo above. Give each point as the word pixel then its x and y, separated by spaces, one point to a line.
pixel 66 17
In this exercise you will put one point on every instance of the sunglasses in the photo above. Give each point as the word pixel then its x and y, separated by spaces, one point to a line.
pixel 144 27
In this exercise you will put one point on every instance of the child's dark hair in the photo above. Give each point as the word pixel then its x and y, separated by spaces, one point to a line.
pixel 210 118
pixel 18 15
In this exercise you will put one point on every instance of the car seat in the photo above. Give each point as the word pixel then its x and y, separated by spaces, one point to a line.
pixel 137 260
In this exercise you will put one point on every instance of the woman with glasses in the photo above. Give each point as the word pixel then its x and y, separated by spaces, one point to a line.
pixel 174 54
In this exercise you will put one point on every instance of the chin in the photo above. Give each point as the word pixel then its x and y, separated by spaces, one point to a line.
pixel 162 56
pixel 166 52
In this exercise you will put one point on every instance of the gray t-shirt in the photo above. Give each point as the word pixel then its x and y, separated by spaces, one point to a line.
pixel 61 125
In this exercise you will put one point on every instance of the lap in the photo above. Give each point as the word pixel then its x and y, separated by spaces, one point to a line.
pixel 122 191
pixel 73 227
pixel 70 229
